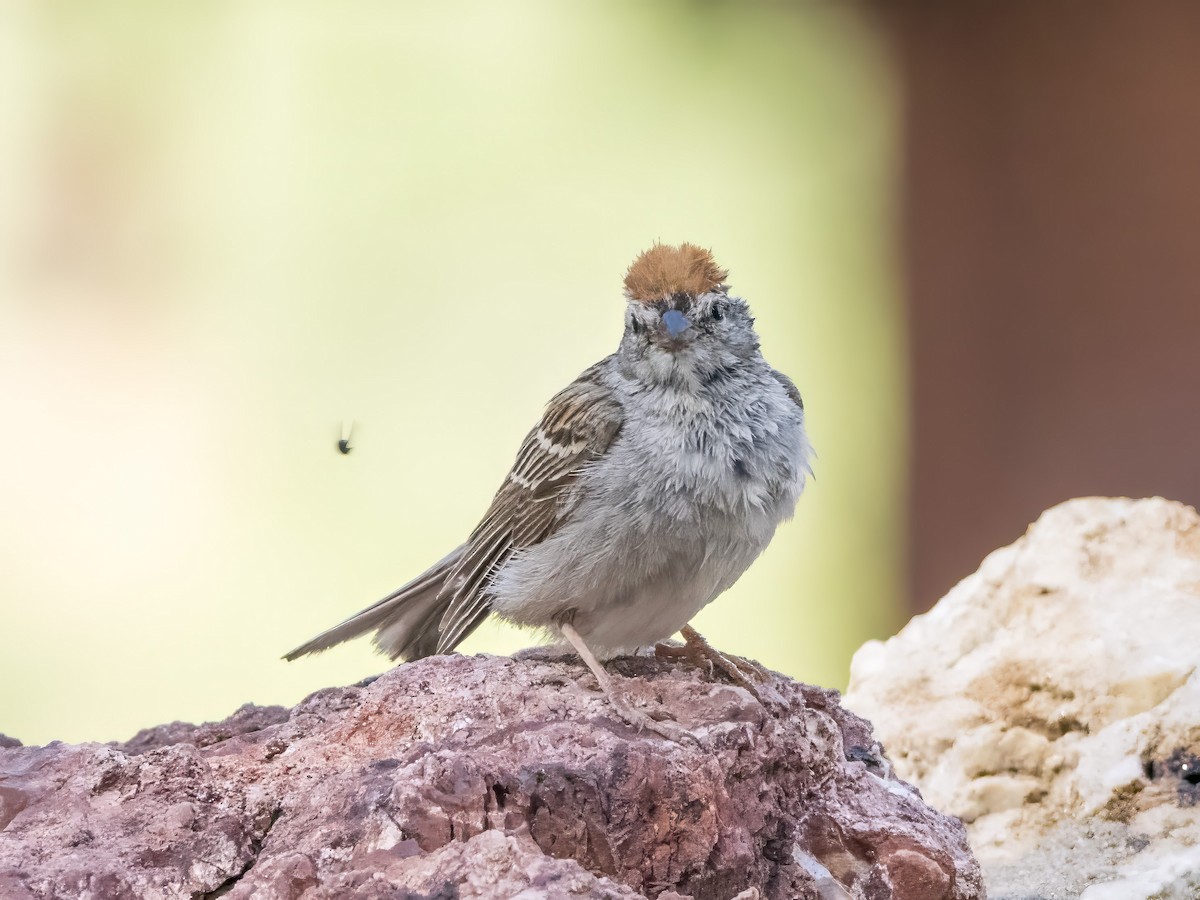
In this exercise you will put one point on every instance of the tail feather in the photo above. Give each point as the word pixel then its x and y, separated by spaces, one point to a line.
pixel 407 620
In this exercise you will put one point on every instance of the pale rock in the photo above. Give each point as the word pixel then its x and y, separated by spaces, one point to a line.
pixel 1052 701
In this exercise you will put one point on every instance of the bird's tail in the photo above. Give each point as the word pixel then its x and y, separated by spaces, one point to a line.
pixel 406 621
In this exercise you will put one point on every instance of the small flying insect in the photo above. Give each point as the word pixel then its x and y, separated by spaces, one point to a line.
pixel 344 443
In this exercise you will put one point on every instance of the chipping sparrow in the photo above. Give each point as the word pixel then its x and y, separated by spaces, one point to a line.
pixel 647 489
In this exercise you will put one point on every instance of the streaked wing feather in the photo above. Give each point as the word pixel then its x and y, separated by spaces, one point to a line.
pixel 793 392
pixel 578 426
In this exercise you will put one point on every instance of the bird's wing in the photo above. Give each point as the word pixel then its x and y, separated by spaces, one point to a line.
pixel 579 425
pixel 793 392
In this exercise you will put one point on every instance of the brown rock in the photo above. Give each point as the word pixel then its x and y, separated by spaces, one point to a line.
pixel 917 876
pixel 463 777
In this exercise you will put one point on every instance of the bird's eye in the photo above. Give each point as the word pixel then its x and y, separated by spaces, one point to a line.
pixel 635 324
pixel 718 313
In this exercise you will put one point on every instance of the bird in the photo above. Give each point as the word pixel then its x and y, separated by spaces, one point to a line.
pixel 649 485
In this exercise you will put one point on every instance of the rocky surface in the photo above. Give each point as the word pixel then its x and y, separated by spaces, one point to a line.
pixel 1052 700
pixel 458 777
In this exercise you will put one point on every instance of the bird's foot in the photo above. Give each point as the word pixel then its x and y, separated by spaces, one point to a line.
pixel 643 721
pixel 745 673
pixel 619 701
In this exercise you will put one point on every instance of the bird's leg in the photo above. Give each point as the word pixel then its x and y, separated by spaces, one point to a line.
pixel 588 657
pixel 703 655
pixel 619 702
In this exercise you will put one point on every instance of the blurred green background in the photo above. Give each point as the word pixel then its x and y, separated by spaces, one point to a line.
pixel 228 228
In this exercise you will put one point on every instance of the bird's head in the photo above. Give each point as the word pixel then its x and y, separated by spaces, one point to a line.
pixel 681 324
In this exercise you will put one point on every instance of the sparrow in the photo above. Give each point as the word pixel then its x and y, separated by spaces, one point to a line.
pixel 649 486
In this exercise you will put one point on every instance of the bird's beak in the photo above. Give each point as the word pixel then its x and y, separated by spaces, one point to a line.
pixel 675 323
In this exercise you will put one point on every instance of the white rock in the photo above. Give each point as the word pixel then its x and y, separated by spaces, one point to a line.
pixel 1052 701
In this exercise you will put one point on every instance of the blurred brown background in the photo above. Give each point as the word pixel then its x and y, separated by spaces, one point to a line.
pixel 1051 234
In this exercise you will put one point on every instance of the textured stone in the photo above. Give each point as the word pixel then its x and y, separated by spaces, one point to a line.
pixel 1052 700
pixel 481 777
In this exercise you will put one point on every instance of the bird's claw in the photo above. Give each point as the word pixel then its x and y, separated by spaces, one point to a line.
pixel 745 673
